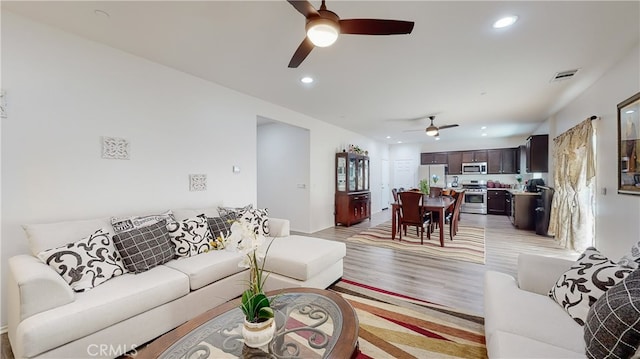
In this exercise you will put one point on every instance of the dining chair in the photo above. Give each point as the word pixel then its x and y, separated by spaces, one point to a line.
pixel 435 191
pixel 412 213
pixel 454 217
pixel 394 192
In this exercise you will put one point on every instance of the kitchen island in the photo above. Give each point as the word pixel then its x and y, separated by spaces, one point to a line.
pixel 522 208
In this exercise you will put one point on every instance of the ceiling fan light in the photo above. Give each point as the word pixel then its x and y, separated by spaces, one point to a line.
pixel 432 131
pixel 322 32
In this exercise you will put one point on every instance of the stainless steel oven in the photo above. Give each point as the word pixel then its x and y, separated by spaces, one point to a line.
pixel 474 168
pixel 475 197
pixel 475 201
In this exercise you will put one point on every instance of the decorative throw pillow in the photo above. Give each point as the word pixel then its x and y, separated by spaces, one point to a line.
pixel 588 278
pixel 219 225
pixel 612 329
pixel 190 236
pixel 258 219
pixel 631 260
pixel 144 248
pixel 86 263
pixel 123 224
pixel 233 212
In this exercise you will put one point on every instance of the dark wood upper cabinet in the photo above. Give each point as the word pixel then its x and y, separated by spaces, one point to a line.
pixel 433 158
pixel 474 156
pixel 511 160
pixel 537 152
pixel 454 160
pixel 503 161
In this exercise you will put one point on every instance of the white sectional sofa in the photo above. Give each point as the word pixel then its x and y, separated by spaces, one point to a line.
pixel 521 321
pixel 49 320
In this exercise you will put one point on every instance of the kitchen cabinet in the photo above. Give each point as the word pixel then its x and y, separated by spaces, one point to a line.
pixel 523 209
pixel 454 163
pixel 536 153
pixel 503 161
pixel 433 158
pixel 496 202
pixel 352 198
pixel 474 156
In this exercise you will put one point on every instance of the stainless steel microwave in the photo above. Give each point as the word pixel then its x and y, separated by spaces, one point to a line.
pixel 474 168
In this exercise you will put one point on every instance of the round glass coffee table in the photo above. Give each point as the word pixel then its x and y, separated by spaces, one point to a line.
pixel 310 323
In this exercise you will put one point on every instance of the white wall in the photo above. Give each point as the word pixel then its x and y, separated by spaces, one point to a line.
pixel 617 215
pixel 283 173
pixel 66 92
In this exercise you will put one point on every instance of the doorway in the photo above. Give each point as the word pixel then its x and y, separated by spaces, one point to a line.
pixel 283 172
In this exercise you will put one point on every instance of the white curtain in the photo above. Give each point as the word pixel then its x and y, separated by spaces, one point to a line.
pixel 572 210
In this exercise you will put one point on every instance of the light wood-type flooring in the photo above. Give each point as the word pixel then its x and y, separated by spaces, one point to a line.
pixel 456 284
pixel 452 283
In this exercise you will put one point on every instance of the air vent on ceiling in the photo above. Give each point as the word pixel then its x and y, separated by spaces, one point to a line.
pixel 564 75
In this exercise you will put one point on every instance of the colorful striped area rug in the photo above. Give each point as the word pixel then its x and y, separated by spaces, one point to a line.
pixel 396 326
pixel 467 245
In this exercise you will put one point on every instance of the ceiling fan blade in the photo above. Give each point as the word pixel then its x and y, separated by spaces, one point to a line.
pixel 447 126
pixel 304 7
pixel 375 27
pixel 301 53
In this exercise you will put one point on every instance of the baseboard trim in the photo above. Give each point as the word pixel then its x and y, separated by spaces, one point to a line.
pixel 3 329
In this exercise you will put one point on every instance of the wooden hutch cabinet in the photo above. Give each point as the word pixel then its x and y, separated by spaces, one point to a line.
pixel 353 198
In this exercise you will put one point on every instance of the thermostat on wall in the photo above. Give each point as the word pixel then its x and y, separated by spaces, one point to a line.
pixel 236 169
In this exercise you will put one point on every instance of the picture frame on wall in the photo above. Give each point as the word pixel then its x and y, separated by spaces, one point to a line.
pixel 629 145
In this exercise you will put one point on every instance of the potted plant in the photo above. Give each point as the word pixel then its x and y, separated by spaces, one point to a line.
pixel 424 186
pixel 259 325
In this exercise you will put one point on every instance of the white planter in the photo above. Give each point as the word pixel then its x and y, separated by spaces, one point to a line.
pixel 258 334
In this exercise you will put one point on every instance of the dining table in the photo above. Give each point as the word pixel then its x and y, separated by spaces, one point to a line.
pixel 435 204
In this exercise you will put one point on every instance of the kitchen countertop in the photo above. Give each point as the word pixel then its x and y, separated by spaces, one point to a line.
pixel 523 193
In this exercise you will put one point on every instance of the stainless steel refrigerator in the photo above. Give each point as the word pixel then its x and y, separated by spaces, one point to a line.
pixel 428 171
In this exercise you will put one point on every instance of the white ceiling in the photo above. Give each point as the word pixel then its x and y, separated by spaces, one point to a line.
pixel 453 65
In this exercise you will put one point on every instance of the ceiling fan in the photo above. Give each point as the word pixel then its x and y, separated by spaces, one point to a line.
pixel 323 27
pixel 432 130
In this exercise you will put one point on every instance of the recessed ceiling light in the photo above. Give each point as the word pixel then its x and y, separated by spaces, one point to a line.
pixel 101 13
pixel 484 134
pixel 483 127
pixel 438 138
pixel 630 111
pixel 388 137
pixel 306 80
pixel 505 22
pixel 399 141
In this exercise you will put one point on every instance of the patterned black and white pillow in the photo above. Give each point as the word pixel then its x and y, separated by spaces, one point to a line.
pixel 587 280
pixel 123 224
pixel 144 248
pixel 86 263
pixel 190 236
pixel 233 212
pixel 632 259
pixel 220 226
pixel 612 329
pixel 258 219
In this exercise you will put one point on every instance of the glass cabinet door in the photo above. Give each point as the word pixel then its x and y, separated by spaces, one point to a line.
pixel 352 174
pixel 366 175
pixel 341 173
pixel 360 174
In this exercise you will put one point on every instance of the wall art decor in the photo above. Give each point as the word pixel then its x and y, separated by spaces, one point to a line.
pixel 629 145
pixel 114 148
pixel 3 104
pixel 198 182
